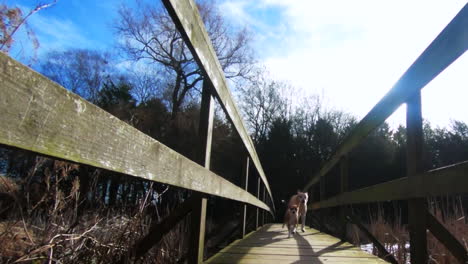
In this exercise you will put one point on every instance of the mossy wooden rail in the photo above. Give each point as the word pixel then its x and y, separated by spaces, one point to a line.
pixel 41 116
pixel 449 45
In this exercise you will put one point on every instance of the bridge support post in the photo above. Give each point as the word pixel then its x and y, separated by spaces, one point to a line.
pixel 198 220
pixel 258 210
pixel 264 200
pixel 322 188
pixel 246 185
pixel 321 215
pixel 205 133
pixel 416 207
pixel 344 173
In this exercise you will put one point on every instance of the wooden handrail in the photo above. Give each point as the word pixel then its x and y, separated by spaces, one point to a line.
pixel 450 44
pixel 189 23
pixel 41 116
pixel 442 181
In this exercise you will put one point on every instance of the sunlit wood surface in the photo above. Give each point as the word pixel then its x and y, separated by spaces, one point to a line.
pixel 270 244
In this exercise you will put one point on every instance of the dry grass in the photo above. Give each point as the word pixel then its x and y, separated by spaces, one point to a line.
pixel 16 239
pixel 449 211
pixel 47 227
pixel 395 237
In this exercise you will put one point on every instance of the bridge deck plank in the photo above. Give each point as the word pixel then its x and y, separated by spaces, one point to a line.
pixel 270 244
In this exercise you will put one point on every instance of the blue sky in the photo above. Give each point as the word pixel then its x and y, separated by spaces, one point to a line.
pixel 72 23
pixel 349 52
pixel 353 52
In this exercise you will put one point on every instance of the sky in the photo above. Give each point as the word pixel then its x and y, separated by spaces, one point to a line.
pixel 350 53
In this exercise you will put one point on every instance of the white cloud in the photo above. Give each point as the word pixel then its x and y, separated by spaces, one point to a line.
pixel 235 10
pixel 57 34
pixel 355 51
pixel 52 33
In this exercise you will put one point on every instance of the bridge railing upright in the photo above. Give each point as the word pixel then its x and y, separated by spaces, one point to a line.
pixel 418 184
pixel 39 115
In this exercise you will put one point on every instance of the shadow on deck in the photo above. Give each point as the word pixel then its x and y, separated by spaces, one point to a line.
pixel 270 244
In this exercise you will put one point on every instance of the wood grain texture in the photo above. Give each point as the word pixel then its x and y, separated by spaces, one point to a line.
pixel 450 44
pixel 41 116
pixel 271 244
pixel 447 180
pixel 189 23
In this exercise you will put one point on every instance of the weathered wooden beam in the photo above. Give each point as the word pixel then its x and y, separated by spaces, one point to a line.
pixel 205 126
pixel 189 23
pixel 344 174
pixel 322 186
pixel 198 217
pixel 447 239
pixel 197 234
pixel 40 116
pixel 246 185
pixel 382 251
pixel 416 206
pixel 258 210
pixel 442 181
pixel 263 199
pixel 450 44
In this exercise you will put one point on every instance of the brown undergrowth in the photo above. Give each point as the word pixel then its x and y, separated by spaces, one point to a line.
pixel 394 235
pixel 43 219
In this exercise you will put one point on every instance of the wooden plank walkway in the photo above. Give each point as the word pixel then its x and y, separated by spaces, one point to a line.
pixel 270 244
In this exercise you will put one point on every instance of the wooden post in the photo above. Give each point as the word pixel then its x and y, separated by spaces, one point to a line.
pixel 322 188
pixel 263 211
pixel 344 173
pixel 321 214
pixel 311 200
pixel 198 219
pixel 246 184
pixel 258 197
pixel 416 207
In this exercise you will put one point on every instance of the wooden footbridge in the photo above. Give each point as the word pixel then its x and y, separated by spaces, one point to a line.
pixel 270 244
pixel 40 116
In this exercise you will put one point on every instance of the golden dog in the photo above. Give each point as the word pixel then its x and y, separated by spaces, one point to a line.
pixel 290 219
pixel 300 201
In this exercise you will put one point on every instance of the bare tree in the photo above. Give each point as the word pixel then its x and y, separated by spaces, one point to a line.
pixel 262 101
pixel 79 70
pixel 149 34
pixel 146 85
